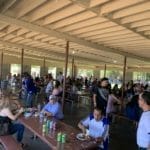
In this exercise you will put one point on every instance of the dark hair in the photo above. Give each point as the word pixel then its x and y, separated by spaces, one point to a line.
pixel 146 97
pixel 99 109
pixel 104 79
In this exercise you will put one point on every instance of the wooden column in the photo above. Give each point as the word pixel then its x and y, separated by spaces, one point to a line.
pixel 123 83
pixel 2 57
pixel 105 67
pixel 44 66
pixel 66 66
pixel 22 61
pixel 75 71
pixel 124 76
pixel 73 67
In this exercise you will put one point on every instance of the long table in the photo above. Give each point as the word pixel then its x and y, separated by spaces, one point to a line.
pixel 34 125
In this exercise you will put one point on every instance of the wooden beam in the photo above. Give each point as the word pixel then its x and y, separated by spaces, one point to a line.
pixel 7 5
pixel 52 53
pixel 65 75
pixel 53 33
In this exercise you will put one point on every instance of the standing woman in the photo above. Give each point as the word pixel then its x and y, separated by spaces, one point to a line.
pixel 6 116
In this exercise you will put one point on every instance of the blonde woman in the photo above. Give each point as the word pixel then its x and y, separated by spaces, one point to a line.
pixel 7 116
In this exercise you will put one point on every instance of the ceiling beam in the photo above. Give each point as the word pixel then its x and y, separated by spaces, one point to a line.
pixel 53 33
pixel 56 54
pixel 7 5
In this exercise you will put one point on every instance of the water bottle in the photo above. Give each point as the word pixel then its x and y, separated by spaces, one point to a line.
pixel 39 107
pixel 54 125
pixel 44 129
pixel 41 117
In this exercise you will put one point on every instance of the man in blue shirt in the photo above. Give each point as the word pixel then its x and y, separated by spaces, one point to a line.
pixel 143 131
pixel 53 108
pixel 98 128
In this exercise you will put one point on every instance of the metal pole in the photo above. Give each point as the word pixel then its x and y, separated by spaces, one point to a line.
pixel 22 62
pixel 44 66
pixel 2 57
pixel 105 67
pixel 73 67
pixel 64 81
pixel 124 76
pixel 123 83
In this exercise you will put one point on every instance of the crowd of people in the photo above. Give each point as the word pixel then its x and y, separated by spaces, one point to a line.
pixel 105 101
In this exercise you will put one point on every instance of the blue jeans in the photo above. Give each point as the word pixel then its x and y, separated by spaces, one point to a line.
pixel 29 101
pixel 17 128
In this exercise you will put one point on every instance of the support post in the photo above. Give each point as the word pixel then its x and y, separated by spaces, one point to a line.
pixel 123 82
pixel 105 67
pixel 2 57
pixel 44 66
pixel 73 67
pixel 66 66
pixel 22 62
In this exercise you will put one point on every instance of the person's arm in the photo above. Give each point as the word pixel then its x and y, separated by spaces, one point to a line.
pixel 52 112
pixel 82 127
pixel 9 114
pixel 94 100
pixel 48 114
pixel 83 124
pixel 115 98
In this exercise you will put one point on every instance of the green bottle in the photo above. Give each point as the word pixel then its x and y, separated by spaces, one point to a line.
pixel 59 137
pixel 63 138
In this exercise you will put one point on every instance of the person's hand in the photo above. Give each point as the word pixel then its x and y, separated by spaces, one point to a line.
pixel 98 140
pixel 87 137
pixel 21 110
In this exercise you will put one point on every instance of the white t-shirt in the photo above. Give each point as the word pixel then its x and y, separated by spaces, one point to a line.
pixel 143 131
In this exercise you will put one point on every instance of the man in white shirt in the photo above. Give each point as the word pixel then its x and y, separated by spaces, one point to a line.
pixel 98 128
pixel 143 131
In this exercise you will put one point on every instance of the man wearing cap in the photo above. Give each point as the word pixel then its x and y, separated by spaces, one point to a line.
pixel 53 108
pixel 143 131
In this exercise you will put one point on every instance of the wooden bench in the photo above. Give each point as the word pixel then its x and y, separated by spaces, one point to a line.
pixel 9 143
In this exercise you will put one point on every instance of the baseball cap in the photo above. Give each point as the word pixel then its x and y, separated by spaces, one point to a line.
pixel 52 97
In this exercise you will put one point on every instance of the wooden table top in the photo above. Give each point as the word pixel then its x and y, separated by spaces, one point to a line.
pixel 34 125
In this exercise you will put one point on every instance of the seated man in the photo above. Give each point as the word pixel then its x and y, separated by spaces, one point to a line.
pixel 53 108
pixel 98 128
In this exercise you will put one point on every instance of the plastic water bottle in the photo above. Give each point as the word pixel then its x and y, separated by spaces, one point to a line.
pixel 41 118
pixel 39 107
pixel 44 129
pixel 54 125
